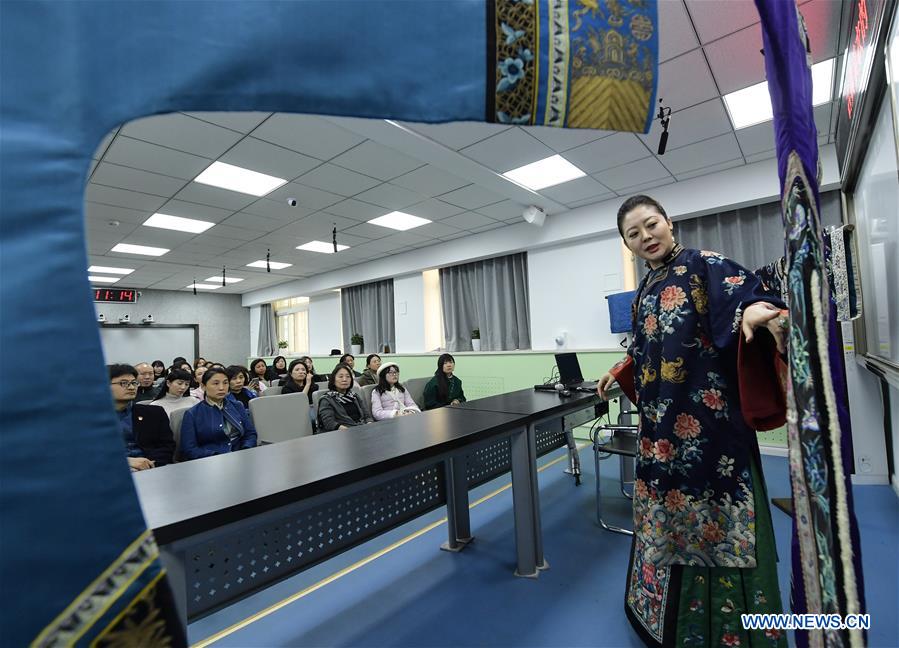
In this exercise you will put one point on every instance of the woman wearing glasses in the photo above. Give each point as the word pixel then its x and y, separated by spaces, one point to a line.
pixel 390 399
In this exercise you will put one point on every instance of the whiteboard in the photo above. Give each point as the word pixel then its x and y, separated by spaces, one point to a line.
pixel 136 343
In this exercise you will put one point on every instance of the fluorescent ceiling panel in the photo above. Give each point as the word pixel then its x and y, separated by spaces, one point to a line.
pixel 106 280
pixel 399 221
pixel 275 265
pixel 177 223
pixel 321 246
pixel 146 250
pixel 202 286
pixel 235 178
pixel 110 270
pixel 752 105
pixel 545 173
pixel 228 280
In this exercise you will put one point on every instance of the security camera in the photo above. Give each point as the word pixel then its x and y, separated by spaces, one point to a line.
pixel 125 319
pixel 292 202
pixel 101 318
pixel 147 320
pixel 534 215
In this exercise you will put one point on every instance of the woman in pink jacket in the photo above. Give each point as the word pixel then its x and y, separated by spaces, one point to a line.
pixel 389 398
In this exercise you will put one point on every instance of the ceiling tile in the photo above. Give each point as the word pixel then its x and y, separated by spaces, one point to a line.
pixel 755 139
pixel 253 222
pixel 457 135
pixel 366 231
pixel 104 144
pixel 435 230
pixel 390 196
pixel 458 235
pixel 435 209
pixel 356 210
pixel 676 33
pixel 158 159
pixel 758 157
pixel 307 134
pixel 712 151
pixel 397 241
pixel 337 180
pixel 312 228
pixel 722 18
pixel 156 237
pixel 113 175
pixel 429 181
pixel 606 153
pixel 123 198
pixel 183 133
pixel 736 60
pixel 575 190
pixel 562 139
pixel 242 122
pixel 256 155
pixel 590 201
pixel 508 150
pixel 100 213
pixel 93 166
pixel 646 170
pixel 709 169
pixel 376 160
pixel 822 19
pixel 215 197
pixel 307 197
pixel 691 125
pixel 503 211
pixel 195 210
pixel 686 81
pixel 467 221
pixel 645 186
pixel 471 197
pixel 221 232
pixel 822 118
pixel 487 228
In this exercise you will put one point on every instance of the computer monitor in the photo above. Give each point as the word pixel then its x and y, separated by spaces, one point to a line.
pixel 569 369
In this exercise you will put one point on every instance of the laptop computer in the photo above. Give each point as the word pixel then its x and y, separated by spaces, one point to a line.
pixel 570 372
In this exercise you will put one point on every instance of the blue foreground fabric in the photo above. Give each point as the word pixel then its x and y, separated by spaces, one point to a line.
pixel 78 564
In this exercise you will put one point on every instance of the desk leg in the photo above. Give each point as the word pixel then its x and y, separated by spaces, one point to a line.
pixel 458 521
pixel 523 505
pixel 539 560
pixel 174 567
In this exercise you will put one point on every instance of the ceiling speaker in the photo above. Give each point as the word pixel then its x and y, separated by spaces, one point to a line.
pixel 534 215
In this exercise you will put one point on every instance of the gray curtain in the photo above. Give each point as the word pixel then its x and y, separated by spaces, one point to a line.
pixel 490 295
pixel 268 332
pixel 368 310
pixel 752 236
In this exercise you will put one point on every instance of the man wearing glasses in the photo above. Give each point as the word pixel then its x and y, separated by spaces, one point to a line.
pixel 145 428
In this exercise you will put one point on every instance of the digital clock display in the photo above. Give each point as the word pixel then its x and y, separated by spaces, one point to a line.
pixel 119 295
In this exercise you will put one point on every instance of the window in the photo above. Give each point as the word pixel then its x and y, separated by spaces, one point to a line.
pixel 292 318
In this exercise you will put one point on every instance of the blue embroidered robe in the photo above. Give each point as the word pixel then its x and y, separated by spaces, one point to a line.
pixel 693 502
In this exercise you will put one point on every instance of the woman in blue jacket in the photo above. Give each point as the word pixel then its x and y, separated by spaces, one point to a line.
pixel 217 424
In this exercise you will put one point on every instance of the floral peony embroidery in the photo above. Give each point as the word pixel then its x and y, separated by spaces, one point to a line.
pixel 680 270
pixel 650 325
pixel 734 282
pixel 663 450
pixel 672 297
pixel 645 447
pixel 712 532
pixel 725 466
pixel 730 639
pixel 640 489
pixel 675 501
pixel 686 427
pixel 712 399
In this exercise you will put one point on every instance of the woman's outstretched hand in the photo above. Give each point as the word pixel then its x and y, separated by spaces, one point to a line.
pixel 769 316
pixel 603 385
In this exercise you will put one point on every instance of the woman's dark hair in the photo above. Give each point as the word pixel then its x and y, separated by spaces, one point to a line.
pixel 345 356
pixel 253 367
pixel 199 360
pixel 216 365
pixel 172 376
pixel 340 367
pixel 309 366
pixel 638 201
pixel 290 367
pixel 275 361
pixel 442 382
pixel 236 370
pixel 213 371
pixel 177 362
pixel 383 386
pixel 368 359
pixel 158 363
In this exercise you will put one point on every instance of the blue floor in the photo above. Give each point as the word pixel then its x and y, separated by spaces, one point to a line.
pixel 416 595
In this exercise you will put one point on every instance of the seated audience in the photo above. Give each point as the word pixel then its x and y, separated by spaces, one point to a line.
pixel 278 368
pixel 177 362
pixel 444 388
pixel 145 429
pixel 200 362
pixel 370 373
pixel 299 380
pixel 350 361
pixel 218 424
pixel 196 385
pixel 390 399
pixel 238 378
pixel 341 407
pixel 158 371
pixel 311 369
pixel 259 373
pixel 148 389
pixel 175 396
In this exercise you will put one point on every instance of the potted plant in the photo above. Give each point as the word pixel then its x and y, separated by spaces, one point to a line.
pixel 282 346
pixel 476 339
pixel 356 342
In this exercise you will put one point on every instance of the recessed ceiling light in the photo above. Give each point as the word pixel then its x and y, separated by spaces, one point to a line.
pixel 275 265
pixel 110 270
pixel 399 221
pixel 235 178
pixel 95 279
pixel 321 246
pixel 545 173
pixel 229 280
pixel 752 105
pixel 202 286
pixel 128 248
pixel 164 221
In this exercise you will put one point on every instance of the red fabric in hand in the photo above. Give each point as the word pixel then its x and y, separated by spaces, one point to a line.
pixel 762 375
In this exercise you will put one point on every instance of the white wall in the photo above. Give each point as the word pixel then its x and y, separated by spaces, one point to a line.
pixel 567 286
pixel 409 313
pixel 324 323
pixel 254 330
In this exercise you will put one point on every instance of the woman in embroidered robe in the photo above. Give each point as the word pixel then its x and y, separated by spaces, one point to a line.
pixel 703 549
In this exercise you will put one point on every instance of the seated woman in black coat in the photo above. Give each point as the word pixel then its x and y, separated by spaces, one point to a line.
pixel 341 407
pixel 298 379
pixel 444 388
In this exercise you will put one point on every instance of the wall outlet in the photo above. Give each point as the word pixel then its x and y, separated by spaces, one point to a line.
pixel 864 463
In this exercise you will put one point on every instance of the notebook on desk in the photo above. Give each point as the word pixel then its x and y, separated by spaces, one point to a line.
pixel 570 372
